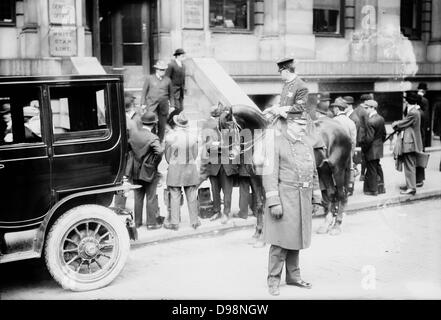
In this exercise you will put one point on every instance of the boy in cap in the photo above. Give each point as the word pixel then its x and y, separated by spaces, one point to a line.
pixel 176 72
pixel 410 137
pixel 156 95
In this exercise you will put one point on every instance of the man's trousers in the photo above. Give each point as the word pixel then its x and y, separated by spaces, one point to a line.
pixel 191 194
pixel 224 183
pixel 147 190
pixel 409 164
pixel 244 195
pixel 373 177
pixel 278 257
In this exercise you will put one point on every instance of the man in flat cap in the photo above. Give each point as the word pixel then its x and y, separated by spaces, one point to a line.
pixel 410 140
pixel 156 95
pixel 176 72
pixel 323 102
pixel 373 150
pixel 362 114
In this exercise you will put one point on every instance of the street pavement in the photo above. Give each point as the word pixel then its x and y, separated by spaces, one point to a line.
pixel 393 252
pixel 356 203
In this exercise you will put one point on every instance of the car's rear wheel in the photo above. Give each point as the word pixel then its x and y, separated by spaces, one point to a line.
pixel 86 248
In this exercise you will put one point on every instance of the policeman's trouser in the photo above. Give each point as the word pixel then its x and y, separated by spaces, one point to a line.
pixel 278 257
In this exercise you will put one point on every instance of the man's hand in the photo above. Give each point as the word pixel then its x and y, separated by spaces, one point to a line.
pixel 277 110
pixel 276 211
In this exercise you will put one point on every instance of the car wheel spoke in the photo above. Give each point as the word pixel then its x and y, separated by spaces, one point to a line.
pixel 73 259
pixel 97 228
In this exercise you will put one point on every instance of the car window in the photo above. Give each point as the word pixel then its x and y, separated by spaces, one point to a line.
pixel 20 120
pixel 79 111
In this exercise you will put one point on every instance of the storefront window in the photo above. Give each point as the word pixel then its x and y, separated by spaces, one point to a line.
pixel 230 14
pixel 7 12
pixel 328 17
pixel 410 17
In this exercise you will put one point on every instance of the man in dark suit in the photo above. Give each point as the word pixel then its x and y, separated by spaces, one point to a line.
pixel 410 137
pixel 143 143
pixel 426 133
pixel 218 167
pixel 363 116
pixel 373 150
pixel 156 96
pixel 176 72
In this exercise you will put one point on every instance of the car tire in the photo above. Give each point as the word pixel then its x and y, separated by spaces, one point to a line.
pixel 77 248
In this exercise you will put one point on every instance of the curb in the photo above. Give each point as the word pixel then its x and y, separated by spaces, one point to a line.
pixel 248 224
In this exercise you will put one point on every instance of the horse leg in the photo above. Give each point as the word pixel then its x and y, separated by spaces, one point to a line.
pixel 329 219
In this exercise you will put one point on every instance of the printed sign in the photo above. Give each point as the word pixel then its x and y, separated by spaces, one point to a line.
pixel 62 12
pixel 193 14
pixel 63 41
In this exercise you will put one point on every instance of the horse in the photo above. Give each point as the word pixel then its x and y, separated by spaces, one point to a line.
pixel 333 165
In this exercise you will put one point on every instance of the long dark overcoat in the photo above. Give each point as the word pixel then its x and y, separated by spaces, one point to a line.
pixel 290 184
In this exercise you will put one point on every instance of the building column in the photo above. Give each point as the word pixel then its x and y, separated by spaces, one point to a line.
pixel 165 27
pixel 269 46
pixel 29 37
pixel 434 46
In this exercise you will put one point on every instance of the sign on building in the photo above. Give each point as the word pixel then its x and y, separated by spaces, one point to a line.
pixel 63 41
pixel 62 12
pixel 193 14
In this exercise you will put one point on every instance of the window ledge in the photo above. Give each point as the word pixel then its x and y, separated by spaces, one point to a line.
pixel 234 31
pixel 329 35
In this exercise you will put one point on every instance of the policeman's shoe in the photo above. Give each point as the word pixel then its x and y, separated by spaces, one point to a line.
pixel 420 184
pixel 408 191
pixel 335 230
pixel 174 227
pixel 370 193
pixel 216 216
pixel 300 283
pixel 274 290
pixel 154 226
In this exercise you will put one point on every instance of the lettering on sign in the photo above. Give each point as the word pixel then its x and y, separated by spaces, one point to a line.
pixel 62 12
pixel 63 41
pixel 193 14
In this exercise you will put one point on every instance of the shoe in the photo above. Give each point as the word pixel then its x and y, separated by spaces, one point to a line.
pixel 420 184
pixel 274 290
pixel 335 230
pixel 216 216
pixel 408 191
pixel 403 187
pixel 369 193
pixel 174 227
pixel 300 283
pixel 154 226
pixel 324 228
pixel 236 215
pixel 160 219
pixel 196 225
pixel 225 219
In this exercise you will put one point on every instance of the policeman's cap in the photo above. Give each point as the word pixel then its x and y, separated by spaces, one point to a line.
pixel 411 97
pixel 324 96
pixel 285 63
pixel 422 86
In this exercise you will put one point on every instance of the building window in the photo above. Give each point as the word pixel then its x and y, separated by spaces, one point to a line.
pixel 230 14
pixel 7 12
pixel 410 17
pixel 328 17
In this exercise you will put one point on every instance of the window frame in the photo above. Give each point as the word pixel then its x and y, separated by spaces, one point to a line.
pixel 12 13
pixel 249 30
pixel 75 137
pixel 26 144
pixel 415 34
pixel 341 33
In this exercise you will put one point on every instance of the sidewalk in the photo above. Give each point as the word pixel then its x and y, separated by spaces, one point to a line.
pixel 357 202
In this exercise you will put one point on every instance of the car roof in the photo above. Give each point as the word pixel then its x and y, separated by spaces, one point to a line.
pixel 61 78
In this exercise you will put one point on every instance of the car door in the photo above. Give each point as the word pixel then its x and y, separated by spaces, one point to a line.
pixel 25 183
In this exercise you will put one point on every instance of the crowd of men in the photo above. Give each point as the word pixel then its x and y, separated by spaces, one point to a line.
pixel 288 193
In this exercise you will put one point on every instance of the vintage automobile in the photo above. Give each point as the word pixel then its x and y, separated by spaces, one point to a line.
pixel 62 157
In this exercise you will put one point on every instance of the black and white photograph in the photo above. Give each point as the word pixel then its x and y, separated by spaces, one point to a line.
pixel 249 151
